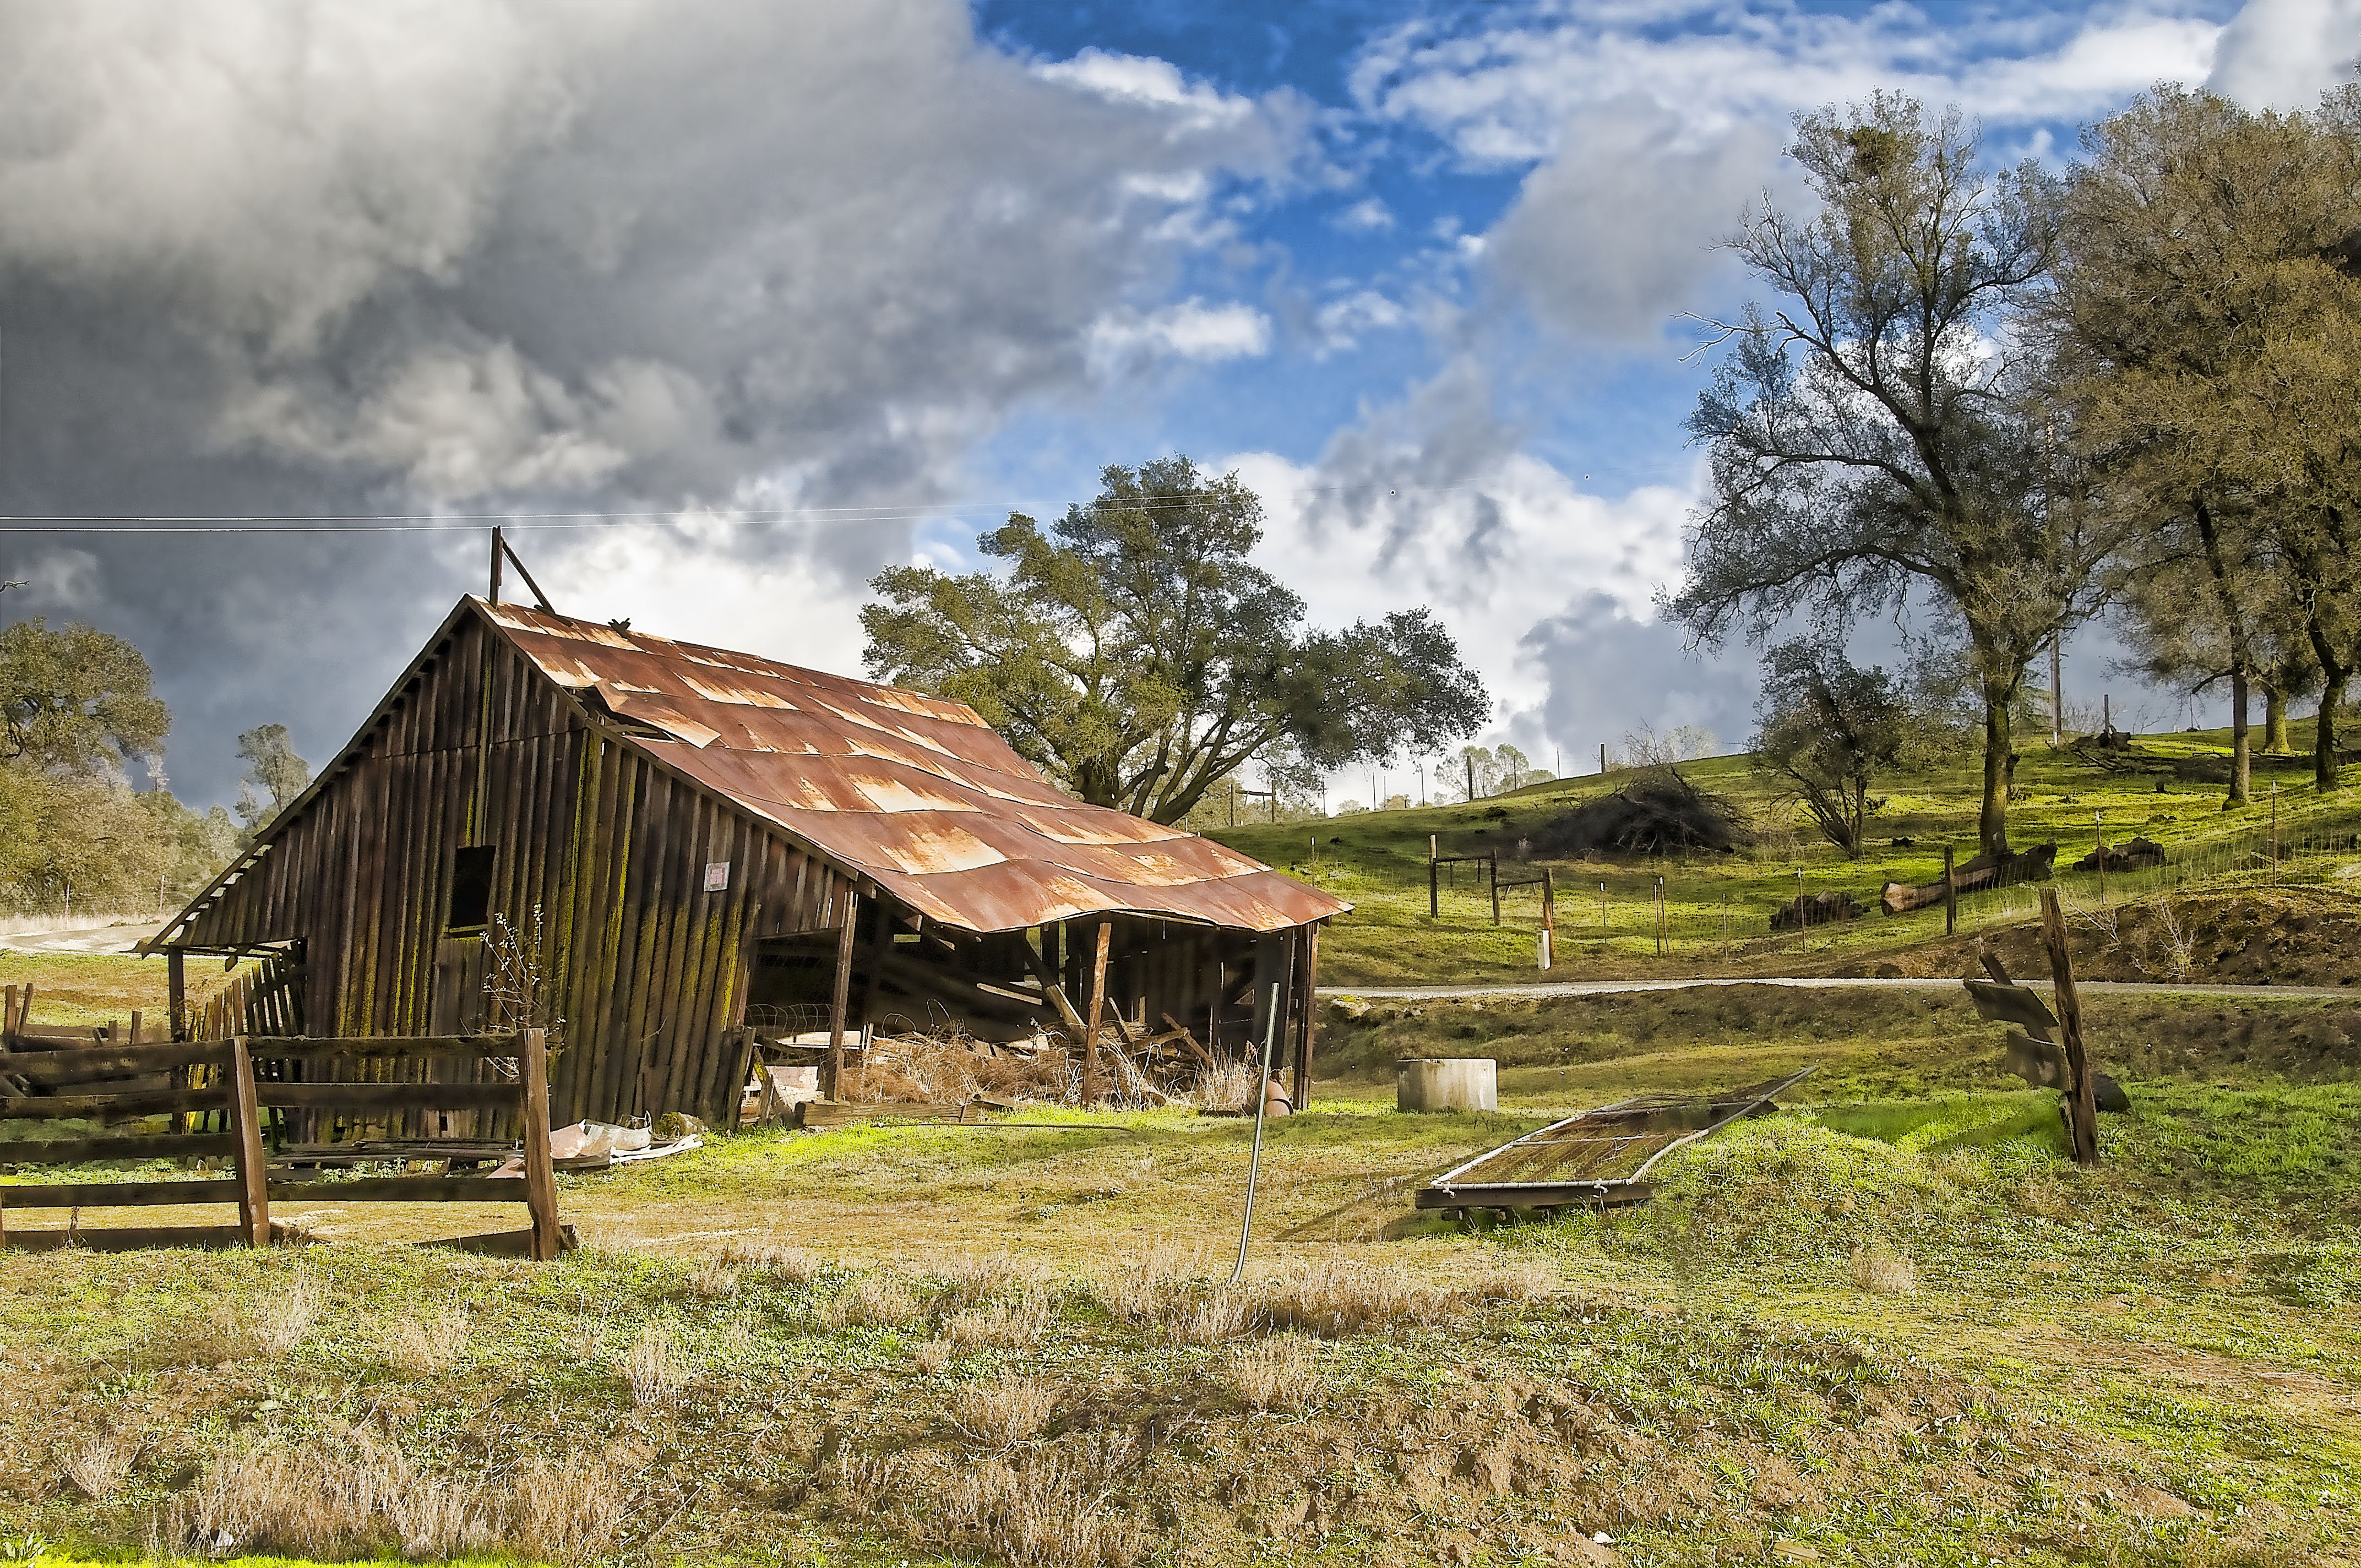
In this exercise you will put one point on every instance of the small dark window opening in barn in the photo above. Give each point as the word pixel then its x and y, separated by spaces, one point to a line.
pixel 471 889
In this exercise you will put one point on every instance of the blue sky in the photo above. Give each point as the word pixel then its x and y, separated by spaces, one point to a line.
pixel 1417 271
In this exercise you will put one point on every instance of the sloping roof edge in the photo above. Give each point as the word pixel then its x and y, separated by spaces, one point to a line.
pixel 1102 892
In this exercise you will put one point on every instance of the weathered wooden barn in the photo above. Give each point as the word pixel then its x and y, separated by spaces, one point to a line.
pixel 686 839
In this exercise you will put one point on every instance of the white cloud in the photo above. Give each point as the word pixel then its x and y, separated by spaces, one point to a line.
pixel 623 244
pixel 1608 239
pixel 1368 215
pixel 1122 341
pixel 1341 321
pixel 1502 92
pixel 1149 82
pixel 1648 128
pixel 2283 54
pixel 1433 502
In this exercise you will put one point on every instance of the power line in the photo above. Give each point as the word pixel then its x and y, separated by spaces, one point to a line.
pixel 456 522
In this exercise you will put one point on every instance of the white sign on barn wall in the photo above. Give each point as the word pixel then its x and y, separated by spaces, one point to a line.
pixel 716 876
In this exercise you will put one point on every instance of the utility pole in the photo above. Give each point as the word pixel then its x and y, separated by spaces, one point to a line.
pixel 1470 755
pixel 1602 757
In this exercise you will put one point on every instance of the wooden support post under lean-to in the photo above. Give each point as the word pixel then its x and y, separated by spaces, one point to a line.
pixel 839 996
pixel 2082 1118
pixel 176 991
pixel 1308 980
pixel 1092 1014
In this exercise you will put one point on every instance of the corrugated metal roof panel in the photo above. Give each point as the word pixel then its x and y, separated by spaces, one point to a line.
pixel 914 791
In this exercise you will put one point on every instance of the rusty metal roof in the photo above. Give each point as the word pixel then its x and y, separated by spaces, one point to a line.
pixel 914 792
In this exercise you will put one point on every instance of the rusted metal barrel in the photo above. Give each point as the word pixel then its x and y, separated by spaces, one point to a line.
pixel 1447 1083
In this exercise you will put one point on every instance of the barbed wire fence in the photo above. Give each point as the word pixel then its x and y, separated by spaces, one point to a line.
pixel 1671 911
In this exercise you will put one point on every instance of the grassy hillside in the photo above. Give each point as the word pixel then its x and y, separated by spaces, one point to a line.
pixel 1718 906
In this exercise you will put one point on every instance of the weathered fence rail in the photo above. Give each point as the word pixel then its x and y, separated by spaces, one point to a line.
pixel 232 1092
pixel 219 1078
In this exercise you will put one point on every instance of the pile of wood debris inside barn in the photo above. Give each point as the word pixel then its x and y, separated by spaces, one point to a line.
pixel 947 1074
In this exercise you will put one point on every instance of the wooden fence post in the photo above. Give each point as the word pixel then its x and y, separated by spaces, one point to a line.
pixel 1494 862
pixel 2082 1102
pixel 1092 1013
pixel 1434 893
pixel 838 997
pixel 540 1181
pixel 1950 892
pixel 253 1165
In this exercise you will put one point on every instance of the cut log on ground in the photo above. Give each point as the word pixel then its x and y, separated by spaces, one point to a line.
pixel 1979 875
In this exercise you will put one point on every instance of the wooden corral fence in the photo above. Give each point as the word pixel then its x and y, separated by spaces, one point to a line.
pixel 360 1079
pixel 66 1082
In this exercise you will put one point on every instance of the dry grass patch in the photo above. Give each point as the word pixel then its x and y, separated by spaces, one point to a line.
pixel 1277 1374
pixel 1332 1298
pixel 571 1512
pixel 976 1277
pixel 788 1264
pixel 356 1494
pixel 654 1369
pixel 101 1463
pixel 331 1498
pixel 1047 1516
pixel 279 1323
pixel 1882 1271
pixel 1015 1324
pixel 1218 1316
pixel 1005 1412
pixel 425 1346
pixel 875 1300
pixel 714 1281
pixel 930 1356
pixel 1141 1293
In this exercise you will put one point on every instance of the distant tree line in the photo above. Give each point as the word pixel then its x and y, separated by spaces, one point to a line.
pixel 78 714
pixel 2006 401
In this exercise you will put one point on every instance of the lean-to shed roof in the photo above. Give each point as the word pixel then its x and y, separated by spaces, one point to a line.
pixel 914 792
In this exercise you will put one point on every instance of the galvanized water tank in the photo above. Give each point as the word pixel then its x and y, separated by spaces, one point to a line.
pixel 1447 1083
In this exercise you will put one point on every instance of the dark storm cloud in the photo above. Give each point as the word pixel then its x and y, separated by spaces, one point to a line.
pixel 312 257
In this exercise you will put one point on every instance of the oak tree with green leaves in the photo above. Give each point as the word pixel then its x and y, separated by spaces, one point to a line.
pixel 1877 437
pixel 1134 651
pixel 2206 312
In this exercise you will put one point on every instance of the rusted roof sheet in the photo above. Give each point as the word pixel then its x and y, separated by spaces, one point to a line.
pixel 916 792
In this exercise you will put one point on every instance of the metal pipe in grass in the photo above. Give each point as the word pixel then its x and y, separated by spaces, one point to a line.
pixel 1262 1109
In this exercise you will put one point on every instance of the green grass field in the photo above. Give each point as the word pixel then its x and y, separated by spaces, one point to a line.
pixel 1719 905
pixel 1891 1323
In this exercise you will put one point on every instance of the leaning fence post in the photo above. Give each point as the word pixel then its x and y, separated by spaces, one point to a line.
pixel 540 1182
pixel 1950 892
pixel 253 1166
pixel 2082 1102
